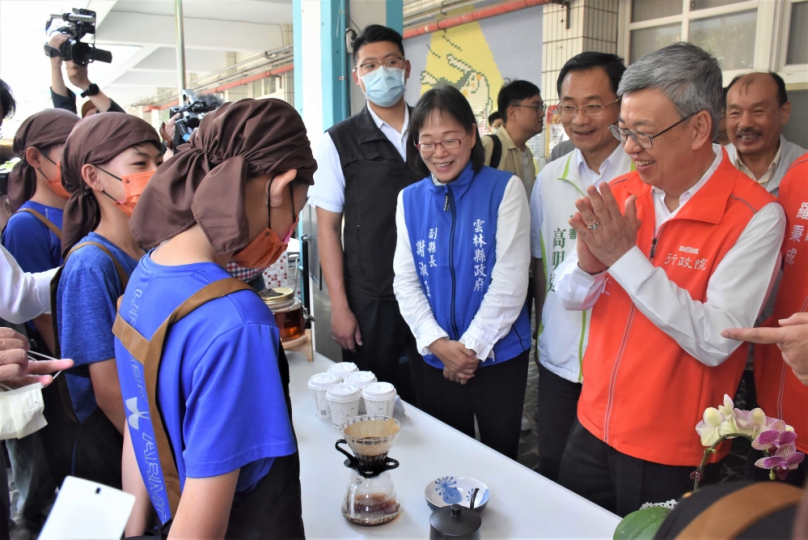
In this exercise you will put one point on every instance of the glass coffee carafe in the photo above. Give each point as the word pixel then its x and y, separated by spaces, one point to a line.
pixel 371 498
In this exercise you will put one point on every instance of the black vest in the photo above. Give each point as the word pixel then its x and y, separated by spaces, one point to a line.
pixel 374 175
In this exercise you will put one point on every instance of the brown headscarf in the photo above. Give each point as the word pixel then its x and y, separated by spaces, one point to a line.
pixel 40 130
pixel 95 140
pixel 205 181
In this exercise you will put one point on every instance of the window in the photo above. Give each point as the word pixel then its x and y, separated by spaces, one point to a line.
pixel 797 49
pixel 645 10
pixel 707 4
pixel 646 40
pixel 737 32
pixel 730 38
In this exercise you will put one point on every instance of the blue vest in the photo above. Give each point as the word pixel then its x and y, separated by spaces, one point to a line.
pixel 453 236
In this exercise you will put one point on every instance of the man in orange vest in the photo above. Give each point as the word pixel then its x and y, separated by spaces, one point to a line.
pixel 781 373
pixel 671 255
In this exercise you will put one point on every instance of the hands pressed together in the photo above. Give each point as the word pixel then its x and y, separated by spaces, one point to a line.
pixel 459 362
pixel 604 232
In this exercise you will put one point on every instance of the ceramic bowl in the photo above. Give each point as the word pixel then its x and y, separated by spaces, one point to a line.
pixel 448 490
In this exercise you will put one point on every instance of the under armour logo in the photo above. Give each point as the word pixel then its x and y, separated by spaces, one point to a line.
pixel 134 418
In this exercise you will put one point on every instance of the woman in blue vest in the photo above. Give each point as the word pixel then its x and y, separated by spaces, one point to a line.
pixel 461 267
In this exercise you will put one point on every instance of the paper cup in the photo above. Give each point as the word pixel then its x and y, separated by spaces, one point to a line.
pixel 343 399
pixel 343 369
pixel 361 379
pixel 380 399
pixel 319 385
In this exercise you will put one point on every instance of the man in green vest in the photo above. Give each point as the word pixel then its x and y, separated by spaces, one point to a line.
pixel 587 90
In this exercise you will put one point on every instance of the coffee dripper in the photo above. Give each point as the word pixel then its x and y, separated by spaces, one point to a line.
pixel 371 497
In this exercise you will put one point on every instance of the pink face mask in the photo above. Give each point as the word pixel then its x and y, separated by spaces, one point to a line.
pixel 266 248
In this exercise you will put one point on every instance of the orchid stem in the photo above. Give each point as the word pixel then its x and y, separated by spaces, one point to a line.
pixel 711 450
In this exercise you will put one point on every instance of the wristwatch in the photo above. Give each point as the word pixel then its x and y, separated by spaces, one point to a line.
pixel 91 90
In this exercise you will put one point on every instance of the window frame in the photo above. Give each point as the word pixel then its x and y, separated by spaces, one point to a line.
pixel 794 74
pixel 768 13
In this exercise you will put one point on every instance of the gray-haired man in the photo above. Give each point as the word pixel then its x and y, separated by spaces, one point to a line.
pixel 667 257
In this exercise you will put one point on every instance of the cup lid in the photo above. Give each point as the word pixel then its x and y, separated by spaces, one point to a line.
pixel 361 378
pixel 379 391
pixel 323 381
pixel 342 368
pixel 343 393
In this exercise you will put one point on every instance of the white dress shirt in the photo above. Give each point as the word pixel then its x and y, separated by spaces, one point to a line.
pixel 588 178
pixel 735 293
pixel 328 191
pixel 505 297
pixel 23 296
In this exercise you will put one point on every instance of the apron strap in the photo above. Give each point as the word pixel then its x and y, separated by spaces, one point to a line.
pixel 54 287
pixel 123 275
pixel 150 353
pixel 729 516
pixel 45 221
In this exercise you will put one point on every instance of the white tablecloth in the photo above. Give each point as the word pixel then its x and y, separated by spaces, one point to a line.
pixel 523 504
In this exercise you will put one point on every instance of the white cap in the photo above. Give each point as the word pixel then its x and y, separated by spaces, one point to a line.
pixel 361 378
pixel 343 393
pixel 343 368
pixel 379 391
pixel 323 381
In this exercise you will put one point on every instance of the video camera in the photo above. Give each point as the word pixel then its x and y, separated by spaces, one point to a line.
pixel 79 23
pixel 192 114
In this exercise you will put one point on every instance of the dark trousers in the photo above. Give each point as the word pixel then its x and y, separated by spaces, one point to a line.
pixel 618 482
pixel 385 339
pixel 557 412
pixel 5 514
pixel 495 396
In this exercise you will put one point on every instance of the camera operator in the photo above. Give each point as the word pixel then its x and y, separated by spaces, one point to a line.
pixel 63 97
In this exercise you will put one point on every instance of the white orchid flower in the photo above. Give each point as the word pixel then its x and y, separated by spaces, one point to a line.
pixel 728 408
pixel 709 429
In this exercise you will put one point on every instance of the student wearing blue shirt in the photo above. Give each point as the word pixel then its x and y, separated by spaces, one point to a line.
pixel 108 159
pixel 32 236
pixel 36 195
pixel 461 264
pixel 210 441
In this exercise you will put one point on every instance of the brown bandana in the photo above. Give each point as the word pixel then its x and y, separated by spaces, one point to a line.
pixel 40 130
pixel 205 181
pixel 95 140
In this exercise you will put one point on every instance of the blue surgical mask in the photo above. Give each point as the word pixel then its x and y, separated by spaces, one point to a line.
pixel 384 86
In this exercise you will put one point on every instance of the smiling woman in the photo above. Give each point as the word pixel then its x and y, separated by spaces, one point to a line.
pixel 461 268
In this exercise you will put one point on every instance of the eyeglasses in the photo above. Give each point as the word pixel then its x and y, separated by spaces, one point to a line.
pixel 448 144
pixel 642 139
pixel 389 62
pixel 540 108
pixel 593 110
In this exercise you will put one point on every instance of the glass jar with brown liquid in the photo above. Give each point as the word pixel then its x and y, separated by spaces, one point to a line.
pixel 288 312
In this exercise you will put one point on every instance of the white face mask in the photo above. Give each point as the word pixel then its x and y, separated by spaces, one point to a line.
pixel 22 411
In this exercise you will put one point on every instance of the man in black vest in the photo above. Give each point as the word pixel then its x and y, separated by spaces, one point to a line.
pixel 361 169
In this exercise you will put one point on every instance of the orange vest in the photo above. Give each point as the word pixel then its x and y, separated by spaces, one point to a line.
pixel 643 394
pixel 779 392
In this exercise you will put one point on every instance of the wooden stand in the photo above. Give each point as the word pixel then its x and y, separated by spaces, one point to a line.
pixel 302 345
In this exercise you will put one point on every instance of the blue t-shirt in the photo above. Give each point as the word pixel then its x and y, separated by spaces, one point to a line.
pixel 86 307
pixel 35 247
pixel 219 388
